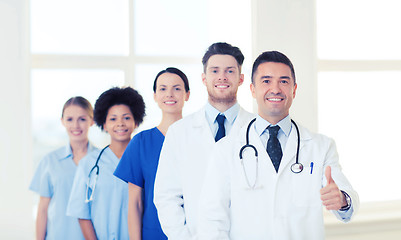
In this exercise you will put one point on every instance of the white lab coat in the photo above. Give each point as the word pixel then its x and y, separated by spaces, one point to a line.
pixel 284 205
pixel 182 166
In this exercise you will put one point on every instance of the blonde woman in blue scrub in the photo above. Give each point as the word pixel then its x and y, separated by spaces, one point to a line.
pixel 55 174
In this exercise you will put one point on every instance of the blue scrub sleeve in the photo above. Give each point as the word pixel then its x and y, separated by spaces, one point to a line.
pixel 129 168
pixel 41 179
pixel 46 185
pixel 77 207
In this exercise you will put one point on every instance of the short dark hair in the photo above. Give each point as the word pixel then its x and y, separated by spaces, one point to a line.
pixel 272 56
pixel 116 96
pixel 222 48
pixel 80 102
pixel 176 71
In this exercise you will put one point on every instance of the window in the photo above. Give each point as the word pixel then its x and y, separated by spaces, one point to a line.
pixel 359 77
pixel 85 47
pixel 74 27
pixel 51 88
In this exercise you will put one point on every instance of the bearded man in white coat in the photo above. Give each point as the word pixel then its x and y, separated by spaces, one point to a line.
pixel 188 142
pixel 272 196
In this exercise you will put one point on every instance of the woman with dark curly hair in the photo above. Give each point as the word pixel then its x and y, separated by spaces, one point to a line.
pixel 139 163
pixel 99 199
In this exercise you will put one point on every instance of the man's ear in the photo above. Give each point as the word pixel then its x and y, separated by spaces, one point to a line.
pixel 204 78
pixel 295 90
pixel 241 79
pixel 252 87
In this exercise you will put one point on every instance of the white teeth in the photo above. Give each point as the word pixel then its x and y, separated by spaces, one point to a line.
pixel 221 86
pixel 275 99
pixel 169 102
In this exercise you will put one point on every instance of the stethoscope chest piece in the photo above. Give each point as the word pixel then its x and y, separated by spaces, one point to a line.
pixel 297 167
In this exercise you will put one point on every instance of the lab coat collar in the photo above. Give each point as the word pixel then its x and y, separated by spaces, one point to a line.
pixel 199 124
pixel 199 118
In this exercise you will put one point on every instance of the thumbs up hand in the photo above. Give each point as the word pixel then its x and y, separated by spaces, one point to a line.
pixel 332 197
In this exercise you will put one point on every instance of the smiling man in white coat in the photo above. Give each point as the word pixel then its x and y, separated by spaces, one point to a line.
pixel 188 143
pixel 287 174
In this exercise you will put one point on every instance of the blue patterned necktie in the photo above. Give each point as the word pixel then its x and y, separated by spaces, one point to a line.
pixel 221 132
pixel 274 147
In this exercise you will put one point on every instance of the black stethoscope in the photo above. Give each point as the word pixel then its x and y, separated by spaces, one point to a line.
pixel 89 197
pixel 296 167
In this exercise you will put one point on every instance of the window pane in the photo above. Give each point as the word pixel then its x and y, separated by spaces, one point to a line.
pixel 95 27
pixel 187 28
pixel 358 29
pixel 363 119
pixel 145 75
pixel 51 89
pixel 167 27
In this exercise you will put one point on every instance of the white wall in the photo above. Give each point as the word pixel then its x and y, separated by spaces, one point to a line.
pixel 15 137
pixel 289 27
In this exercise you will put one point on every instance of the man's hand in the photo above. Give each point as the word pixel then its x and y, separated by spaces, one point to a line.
pixel 332 197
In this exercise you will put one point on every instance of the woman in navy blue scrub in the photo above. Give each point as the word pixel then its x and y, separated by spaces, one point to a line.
pixel 139 162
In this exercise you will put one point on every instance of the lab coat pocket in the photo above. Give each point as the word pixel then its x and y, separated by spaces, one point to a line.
pixel 306 187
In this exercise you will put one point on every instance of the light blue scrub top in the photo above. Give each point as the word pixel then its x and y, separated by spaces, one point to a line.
pixel 109 208
pixel 53 178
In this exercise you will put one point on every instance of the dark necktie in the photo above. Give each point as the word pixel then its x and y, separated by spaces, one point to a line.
pixel 274 147
pixel 221 132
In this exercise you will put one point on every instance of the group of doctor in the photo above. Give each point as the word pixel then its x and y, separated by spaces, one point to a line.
pixel 186 179
pixel 202 188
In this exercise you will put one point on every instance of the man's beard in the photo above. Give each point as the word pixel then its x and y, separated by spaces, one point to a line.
pixel 229 99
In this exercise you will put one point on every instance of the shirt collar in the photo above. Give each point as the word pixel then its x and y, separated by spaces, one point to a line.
pixel 67 152
pixel 230 114
pixel 261 124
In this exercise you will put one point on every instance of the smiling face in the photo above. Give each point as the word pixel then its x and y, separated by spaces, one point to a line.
pixel 274 90
pixel 222 78
pixel 170 93
pixel 119 123
pixel 77 122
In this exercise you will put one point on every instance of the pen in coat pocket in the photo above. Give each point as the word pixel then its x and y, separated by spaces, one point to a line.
pixel 311 167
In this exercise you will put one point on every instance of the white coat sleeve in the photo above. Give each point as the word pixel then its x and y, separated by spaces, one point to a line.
pixel 342 183
pixel 214 207
pixel 168 191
